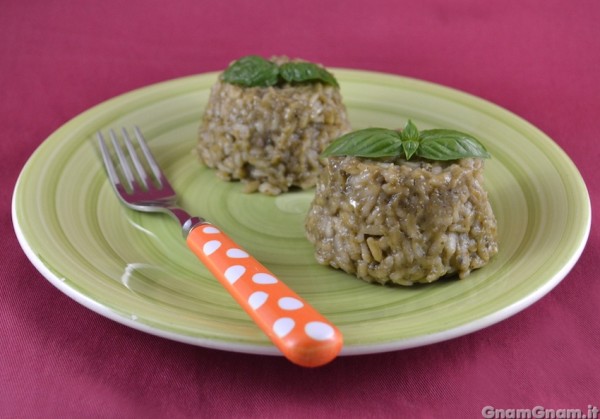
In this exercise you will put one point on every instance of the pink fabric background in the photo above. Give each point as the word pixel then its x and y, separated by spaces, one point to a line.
pixel 539 59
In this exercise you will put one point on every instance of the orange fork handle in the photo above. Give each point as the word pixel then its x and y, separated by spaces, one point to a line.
pixel 300 332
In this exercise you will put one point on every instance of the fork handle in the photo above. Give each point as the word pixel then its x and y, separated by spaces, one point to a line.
pixel 303 335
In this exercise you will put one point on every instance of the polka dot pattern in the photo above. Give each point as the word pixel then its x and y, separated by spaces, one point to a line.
pixel 210 247
pixel 283 326
pixel 257 299
pixel 263 278
pixel 233 273
pixel 211 230
pixel 292 324
pixel 290 303
pixel 319 330
pixel 237 254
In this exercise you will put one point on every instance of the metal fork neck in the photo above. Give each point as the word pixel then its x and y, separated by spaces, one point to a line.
pixel 187 222
pixel 192 223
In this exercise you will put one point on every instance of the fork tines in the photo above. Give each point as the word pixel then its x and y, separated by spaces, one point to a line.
pixel 130 179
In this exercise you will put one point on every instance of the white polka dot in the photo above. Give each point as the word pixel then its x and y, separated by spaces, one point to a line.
pixel 134 317
pixel 319 330
pixel 233 273
pixel 210 247
pixel 262 278
pixel 257 299
pixel 289 303
pixel 283 326
pixel 210 230
pixel 237 254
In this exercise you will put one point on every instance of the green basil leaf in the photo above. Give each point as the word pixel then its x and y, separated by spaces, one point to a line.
pixel 369 142
pixel 446 144
pixel 251 71
pixel 301 72
pixel 410 132
pixel 410 147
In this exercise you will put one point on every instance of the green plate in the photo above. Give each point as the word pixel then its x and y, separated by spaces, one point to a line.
pixel 136 269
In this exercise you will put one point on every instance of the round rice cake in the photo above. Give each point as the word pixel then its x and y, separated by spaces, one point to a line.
pixel 402 222
pixel 270 138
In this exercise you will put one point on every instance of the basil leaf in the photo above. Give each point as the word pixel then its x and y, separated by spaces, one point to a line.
pixel 446 144
pixel 410 132
pixel 410 147
pixel 300 72
pixel 251 71
pixel 369 142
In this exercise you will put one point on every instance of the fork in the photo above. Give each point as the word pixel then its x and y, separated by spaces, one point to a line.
pixel 301 333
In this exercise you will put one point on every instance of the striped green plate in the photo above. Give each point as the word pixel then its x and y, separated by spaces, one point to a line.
pixel 136 269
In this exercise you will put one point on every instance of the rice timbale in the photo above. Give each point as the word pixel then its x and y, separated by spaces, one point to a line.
pixel 270 137
pixel 403 222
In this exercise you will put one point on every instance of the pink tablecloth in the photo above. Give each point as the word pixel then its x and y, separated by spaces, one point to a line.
pixel 539 59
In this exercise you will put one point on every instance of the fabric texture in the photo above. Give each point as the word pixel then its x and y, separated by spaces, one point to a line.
pixel 538 59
